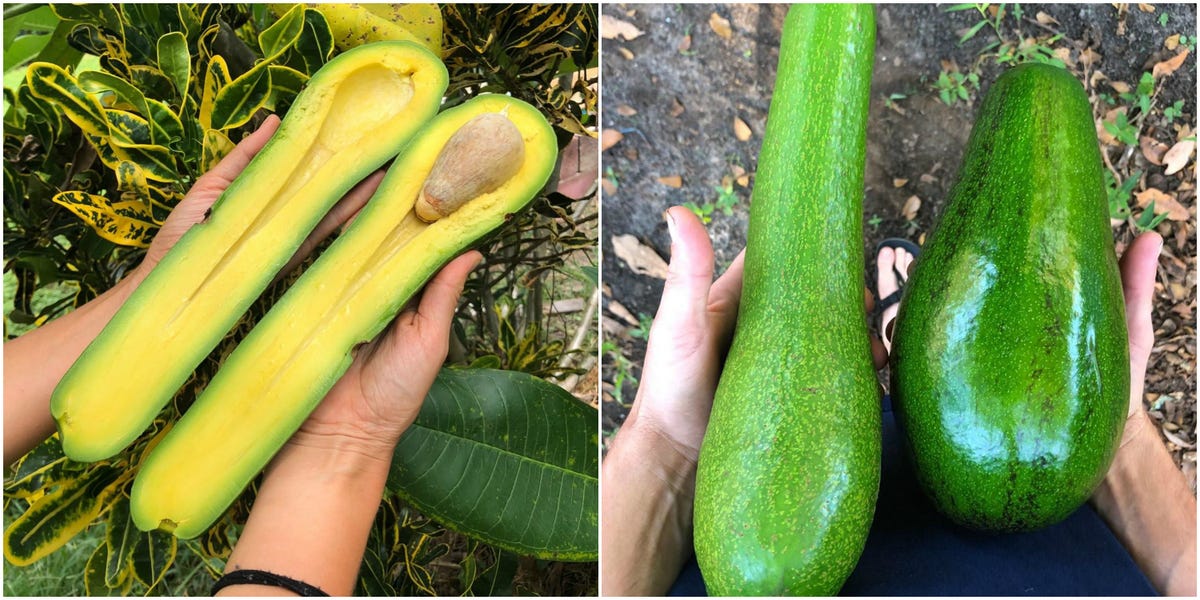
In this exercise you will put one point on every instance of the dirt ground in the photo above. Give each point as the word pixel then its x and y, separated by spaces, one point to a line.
pixel 674 90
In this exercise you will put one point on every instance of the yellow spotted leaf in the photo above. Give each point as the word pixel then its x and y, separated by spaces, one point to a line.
pixel 54 84
pixel 215 79
pixel 58 516
pixel 127 223
pixel 216 146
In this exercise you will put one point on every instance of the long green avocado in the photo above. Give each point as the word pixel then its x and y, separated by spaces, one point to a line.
pixel 354 114
pixel 294 355
pixel 789 466
pixel 1010 370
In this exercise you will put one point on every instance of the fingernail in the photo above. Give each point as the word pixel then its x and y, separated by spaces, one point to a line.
pixel 670 224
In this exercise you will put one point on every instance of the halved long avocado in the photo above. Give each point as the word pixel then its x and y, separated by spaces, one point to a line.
pixel 355 113
pixel 284 367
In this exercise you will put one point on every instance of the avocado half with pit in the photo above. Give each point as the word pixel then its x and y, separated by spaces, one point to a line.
pixel 355 113
pixel 285 366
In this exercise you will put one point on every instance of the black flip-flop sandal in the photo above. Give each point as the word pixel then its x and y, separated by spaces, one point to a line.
pixel 882 304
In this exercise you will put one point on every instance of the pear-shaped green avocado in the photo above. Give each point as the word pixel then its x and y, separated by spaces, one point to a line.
pixel 1010 371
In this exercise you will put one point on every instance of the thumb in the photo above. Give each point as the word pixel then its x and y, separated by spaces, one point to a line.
pixel 684 302
pixel 1138 269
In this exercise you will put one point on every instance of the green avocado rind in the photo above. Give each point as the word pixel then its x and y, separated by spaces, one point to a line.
pixel 789 468
pixel 1010 370
pixel 212 275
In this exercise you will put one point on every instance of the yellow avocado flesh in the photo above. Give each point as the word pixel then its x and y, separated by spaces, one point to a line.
pixel 282 370
pixel 355 114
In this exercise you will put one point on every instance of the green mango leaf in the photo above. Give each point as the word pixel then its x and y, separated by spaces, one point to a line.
pixel 506 458
pixel 127 223
pixel 58 516
pixel 153 554
pixel 282 34
pixel 238 101
pixel 175 61
pixel 119 537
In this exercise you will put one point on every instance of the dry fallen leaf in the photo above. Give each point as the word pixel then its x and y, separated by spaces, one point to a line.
pixel 898 182
pixel 1163 203
pixel 1172 42
pixel 1088 58
pixel 641 258
pixel 720 26
pixel 685 44
pixel 743 181
pixel 610 188
pixel 1178 156
pixel 1119 86
pixel 630 152
pixel 674 181
pixel 1046 19
pixel 619 310
pixel 921 240
pixel 609 138
pixel 928 178
pixel 1064 54
pixel 737 170
pixel 740 129
pixel 1170 65
pixel 676 107
pixel 1146 8
pixel 1152 149
pixel 612 27
pixel 625 52
pixel 626 110
pixel 911 206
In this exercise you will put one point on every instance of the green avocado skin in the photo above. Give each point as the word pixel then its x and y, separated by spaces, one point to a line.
pixel 1010 360
pixel 789 467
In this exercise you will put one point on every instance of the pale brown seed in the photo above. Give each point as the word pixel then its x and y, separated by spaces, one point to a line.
pixel 483 154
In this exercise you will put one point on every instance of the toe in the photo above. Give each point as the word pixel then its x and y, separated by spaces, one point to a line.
pixel 886 275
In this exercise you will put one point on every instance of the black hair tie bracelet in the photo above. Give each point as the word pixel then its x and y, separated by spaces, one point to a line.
pixel 256 577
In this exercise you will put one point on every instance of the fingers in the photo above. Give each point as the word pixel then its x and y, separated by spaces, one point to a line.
pixel 235 162
pixel 440 298
pixel 724 297
pixel 1139 266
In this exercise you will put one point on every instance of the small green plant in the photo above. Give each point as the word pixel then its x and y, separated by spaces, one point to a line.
pixel 642 331
pixel 1148 220
pixel 1163 18
pixel 1188 42
pixel 1118 195
pixel 875 220
pixel 1122 129
pixel 624 370
pixel 726 198
pixel 893 101
pixel 984 20
pixel 1143 96
pixel 952 86
pixel 1174 111
pixel 704 211
pixel 611 176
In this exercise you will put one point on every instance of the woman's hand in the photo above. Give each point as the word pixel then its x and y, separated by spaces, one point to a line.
pixel 1144 497
pixel 381 393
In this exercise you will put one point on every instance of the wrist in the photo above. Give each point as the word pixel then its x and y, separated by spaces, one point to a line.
pixel 334 453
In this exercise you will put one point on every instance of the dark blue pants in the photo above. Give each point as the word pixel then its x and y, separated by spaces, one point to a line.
pixel 914 551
